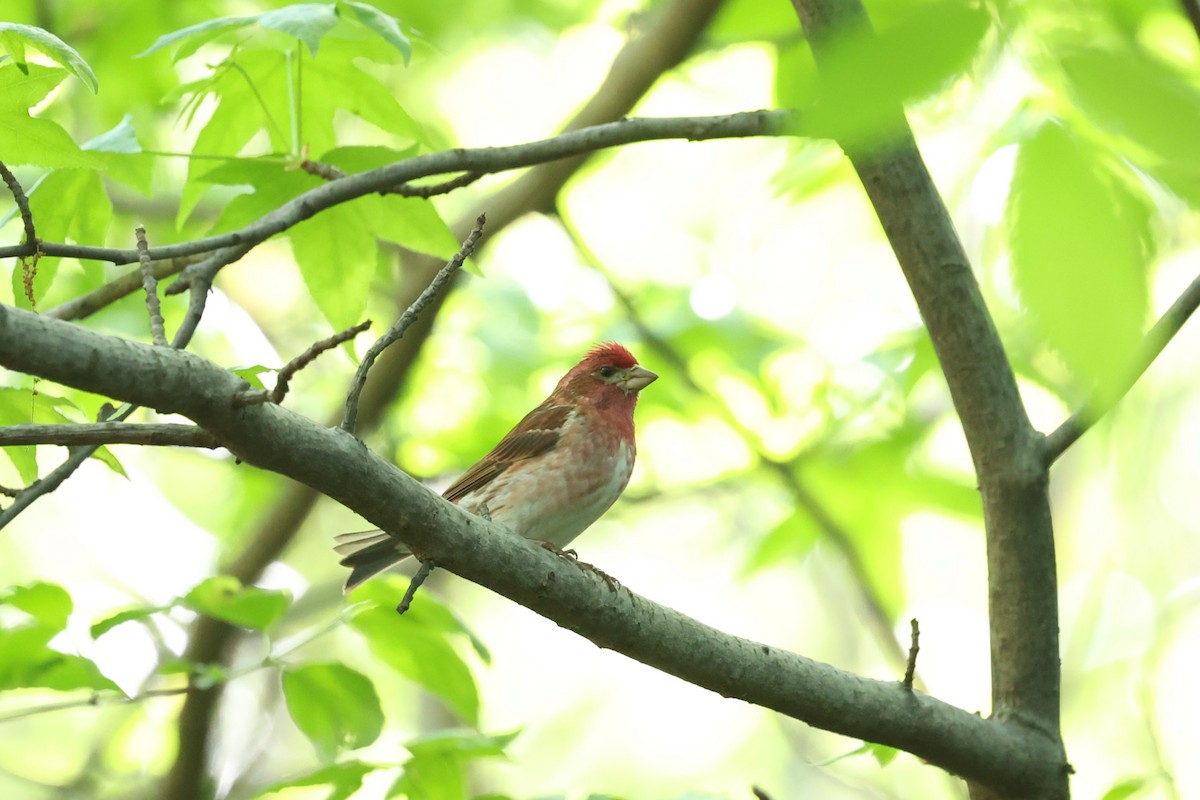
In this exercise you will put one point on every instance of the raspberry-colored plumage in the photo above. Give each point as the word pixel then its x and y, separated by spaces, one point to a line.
pixel 554 474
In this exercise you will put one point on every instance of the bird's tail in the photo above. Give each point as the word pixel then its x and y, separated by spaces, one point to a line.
pixel 368 553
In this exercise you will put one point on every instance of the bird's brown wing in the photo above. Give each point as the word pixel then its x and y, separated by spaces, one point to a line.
pixel 536 434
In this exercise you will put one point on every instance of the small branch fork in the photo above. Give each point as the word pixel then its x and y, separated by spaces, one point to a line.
pixel 332 173
pixel 298 363
pixel 435 287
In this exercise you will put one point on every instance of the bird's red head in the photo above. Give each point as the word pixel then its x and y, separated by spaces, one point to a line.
pixel 612 354
pixel 607 374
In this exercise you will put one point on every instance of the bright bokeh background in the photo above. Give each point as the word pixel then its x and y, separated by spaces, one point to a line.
pixel 759 264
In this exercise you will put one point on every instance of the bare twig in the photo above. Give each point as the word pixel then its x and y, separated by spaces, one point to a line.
pixel 158 332
pixel 1100 403
pixel 102 433
pixel 94 699
pixel 423 572
pixel 484 160
pixel 332 173
pixel 22 201
pixel 407 318
pixel 914 647
pixel 298 363
pixel 434 189
pixel 304 359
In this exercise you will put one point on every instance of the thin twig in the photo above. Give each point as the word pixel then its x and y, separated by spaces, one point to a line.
pixel 1100 403
pixel 914 647
pixel 408 318
pixel 423 572
pixel 484 160
pixel 434 189
pixel 104 433
pixel 22 201
pixel 94 699
pixel 298 363
pixel 158 331
pixel 308 356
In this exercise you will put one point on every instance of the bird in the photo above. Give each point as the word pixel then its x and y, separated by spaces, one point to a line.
pixel 554 474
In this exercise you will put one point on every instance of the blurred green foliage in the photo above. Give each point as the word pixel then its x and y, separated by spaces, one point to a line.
pixel 1074 123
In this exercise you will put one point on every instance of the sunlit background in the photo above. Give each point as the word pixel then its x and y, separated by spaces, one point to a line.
pixel 754 278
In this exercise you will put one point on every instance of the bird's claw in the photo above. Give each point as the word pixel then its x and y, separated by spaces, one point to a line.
pixel 570 555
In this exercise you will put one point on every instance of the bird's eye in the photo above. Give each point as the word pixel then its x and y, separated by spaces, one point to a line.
pixel 607 372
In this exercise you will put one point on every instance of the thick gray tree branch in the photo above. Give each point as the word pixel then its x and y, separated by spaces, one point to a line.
pixel 336 464
pixel 1005 448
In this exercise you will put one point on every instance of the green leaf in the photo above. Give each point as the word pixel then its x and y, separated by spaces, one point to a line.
pixel 105 625
pixel 45 602
pixel 21 91
pixel 308 22
pixel 334 706
pixel 224 597
pixel 416 646
pixel 1144 100
pixel 27 661
pixel 204 31
pixel 122 155
pixel 17 408
pixel 866 75
pixel 789 541
pixel 40 142
pixel 1125 789
pixel 1079 251
pixel 343 780
pixel 336 255
pixel 438 766
pixel 14 37
pixel 250 90
pixel 250 374
pixel 387 26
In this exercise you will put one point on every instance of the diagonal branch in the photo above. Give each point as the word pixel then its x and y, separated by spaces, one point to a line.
pixel 484 160
pixel 435 287
pixel 335 463
pixel 1099 404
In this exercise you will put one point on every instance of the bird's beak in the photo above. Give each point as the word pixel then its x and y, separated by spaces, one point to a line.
pixel 637 378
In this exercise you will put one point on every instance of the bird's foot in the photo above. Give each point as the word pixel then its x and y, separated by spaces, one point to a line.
pixel 573 557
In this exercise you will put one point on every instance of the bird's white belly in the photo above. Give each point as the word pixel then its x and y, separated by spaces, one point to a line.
pixel 555 506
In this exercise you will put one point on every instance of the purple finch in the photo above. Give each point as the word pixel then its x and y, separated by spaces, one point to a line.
pixel 553 475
